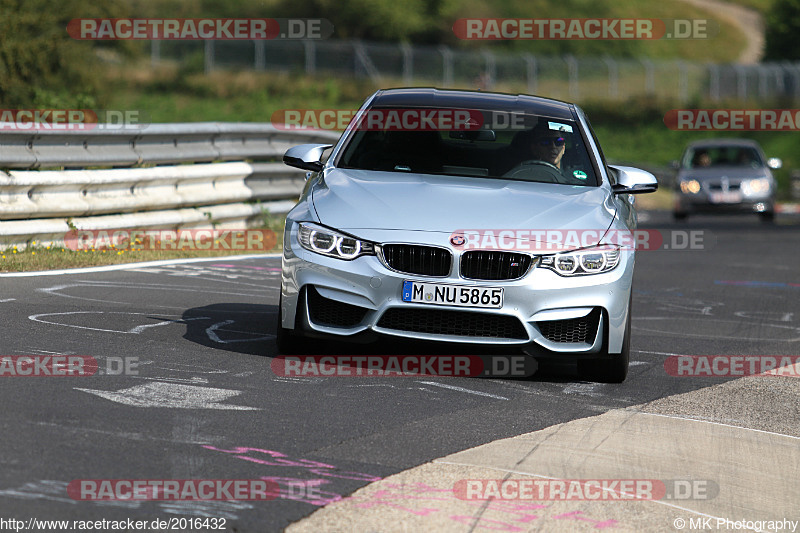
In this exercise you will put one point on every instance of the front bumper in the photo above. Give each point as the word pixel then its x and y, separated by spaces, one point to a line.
pixel 702 203
pixel 542 313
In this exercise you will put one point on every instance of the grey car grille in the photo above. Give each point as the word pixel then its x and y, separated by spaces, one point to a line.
pixel 718 186
pixel 582 330
pixel 459 323
pixel 416 259
pixel 493 265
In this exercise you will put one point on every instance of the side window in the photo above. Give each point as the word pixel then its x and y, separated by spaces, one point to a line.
pixel 612 176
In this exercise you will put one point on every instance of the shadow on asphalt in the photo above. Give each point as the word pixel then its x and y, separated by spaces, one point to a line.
pixel 250 329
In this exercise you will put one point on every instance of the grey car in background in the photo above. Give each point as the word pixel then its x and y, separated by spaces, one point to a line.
pixel 389 238
pixel 725 176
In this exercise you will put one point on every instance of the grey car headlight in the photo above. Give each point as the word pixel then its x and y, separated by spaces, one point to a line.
pixel 580 263
pixel 690 186
pixel 755 186
pixel 325 241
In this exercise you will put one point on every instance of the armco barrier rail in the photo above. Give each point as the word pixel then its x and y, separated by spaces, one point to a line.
pixel 162 176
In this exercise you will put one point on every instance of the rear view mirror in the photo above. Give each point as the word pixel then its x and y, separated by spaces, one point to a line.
pixel 474 135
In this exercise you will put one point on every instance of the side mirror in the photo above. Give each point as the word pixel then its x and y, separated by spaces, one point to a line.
pixel 774 163
pixel 675 164
pixel 306 156
pixel 632 180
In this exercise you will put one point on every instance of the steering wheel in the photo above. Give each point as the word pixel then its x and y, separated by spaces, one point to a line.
pixel 538 169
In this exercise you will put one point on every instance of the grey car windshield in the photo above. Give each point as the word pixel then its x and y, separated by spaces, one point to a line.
pixel 722 156
pixel 531 148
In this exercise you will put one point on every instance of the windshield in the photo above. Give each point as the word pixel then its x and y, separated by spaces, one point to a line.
pixel 719 156
pixel 521 147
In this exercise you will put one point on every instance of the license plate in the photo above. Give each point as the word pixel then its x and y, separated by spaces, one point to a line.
pixel 726 197
pixel 458 295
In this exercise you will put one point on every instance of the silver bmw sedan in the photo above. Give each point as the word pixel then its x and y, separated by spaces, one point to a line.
pixel 467 217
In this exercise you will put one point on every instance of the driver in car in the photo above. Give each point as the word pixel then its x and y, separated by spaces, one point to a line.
pixel 548 145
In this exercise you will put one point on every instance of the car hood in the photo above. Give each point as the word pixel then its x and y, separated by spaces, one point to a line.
pixel 358 200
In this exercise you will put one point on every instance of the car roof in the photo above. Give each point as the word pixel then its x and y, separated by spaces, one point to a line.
pixel 479 100
pixel 714 143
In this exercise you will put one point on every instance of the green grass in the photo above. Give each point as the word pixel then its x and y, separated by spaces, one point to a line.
pixel 36 257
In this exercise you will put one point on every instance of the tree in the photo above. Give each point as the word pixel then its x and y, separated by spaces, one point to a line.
pixel 40 64
pixel 782 29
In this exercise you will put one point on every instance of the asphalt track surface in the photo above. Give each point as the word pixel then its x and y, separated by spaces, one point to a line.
pixel 201 334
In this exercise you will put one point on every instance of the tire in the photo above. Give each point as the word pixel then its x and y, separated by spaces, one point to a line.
pixel 609 368
pixel 767 217
pixel 287 341
pixel 679 215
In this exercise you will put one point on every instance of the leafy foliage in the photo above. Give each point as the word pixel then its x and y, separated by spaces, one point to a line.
pixel 783 26
pixel 40 65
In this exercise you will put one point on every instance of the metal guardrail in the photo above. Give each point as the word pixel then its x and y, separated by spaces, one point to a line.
pixel 156 144
pixel 166 176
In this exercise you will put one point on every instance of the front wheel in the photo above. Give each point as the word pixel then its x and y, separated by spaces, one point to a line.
pixel 288 341
pixel 767 217
pixel 610 368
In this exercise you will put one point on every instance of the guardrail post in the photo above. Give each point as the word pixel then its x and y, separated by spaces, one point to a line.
pixel 741 82
pixel 489 71
pixel 208 49
pixel 363 59
pixel 792 70
pixel 310 49
pixel 532 74
pixel 155 52
pixel 713 82
pixel 763 83
pixel 649 76
pixel 408 63
pixel 780 85
pixel 260 56
pixel 613 77
pixel 447 66
pixel 572 67
pixel 683 81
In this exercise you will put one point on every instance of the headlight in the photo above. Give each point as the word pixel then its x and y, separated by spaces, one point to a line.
pixel 590 261
pixel 755 186
pixel 690 186
pixel 325 241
